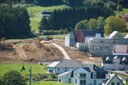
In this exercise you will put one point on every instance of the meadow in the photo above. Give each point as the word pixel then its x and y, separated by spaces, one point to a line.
pixel 36 68
pixel 48 83
pixel 35 14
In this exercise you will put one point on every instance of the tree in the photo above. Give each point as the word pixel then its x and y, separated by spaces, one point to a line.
pixel 82 24
pixel 44 25
pixel 100 23
pixel 114 23
pixel 92 24
pixel 14 22
pixel 12 78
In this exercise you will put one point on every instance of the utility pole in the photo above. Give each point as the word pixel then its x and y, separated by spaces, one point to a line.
pixel 30 76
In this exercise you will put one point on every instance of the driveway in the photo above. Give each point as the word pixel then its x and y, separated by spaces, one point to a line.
pixel 66 56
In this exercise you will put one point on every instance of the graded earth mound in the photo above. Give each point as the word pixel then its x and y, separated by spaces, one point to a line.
pixel 31 51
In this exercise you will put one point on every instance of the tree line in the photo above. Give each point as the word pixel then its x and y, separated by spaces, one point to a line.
pixel 68 17
pixel 14 22
pixel 68 2
pixel 107 25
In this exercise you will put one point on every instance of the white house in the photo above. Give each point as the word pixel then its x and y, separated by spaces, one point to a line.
pixel 113 80
pixel 115 62
pixel 63 66
pixel 90 75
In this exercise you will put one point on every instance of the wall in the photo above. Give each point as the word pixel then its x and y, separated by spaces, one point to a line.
pixel 81 46
pixel 104 46
pixel 115 80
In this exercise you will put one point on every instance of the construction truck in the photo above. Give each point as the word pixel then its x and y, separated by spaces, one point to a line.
pixel 5 45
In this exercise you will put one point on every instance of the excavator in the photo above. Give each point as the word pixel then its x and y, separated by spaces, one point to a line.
pixel 5 45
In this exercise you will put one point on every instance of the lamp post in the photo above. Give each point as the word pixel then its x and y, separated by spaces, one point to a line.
pixel 30 75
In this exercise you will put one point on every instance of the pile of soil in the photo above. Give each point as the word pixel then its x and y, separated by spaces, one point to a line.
pixel 32 51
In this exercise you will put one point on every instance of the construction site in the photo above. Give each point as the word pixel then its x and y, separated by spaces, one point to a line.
pixel 38 50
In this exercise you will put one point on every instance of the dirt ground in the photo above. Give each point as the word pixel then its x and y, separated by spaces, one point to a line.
pixel 34 51
pixel 30 51
pixel 81 56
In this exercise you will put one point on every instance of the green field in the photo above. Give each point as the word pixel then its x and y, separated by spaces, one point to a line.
pixel 59 36
pixel 36 69
pixel 48 83
pixel 42 69
pixel 35 17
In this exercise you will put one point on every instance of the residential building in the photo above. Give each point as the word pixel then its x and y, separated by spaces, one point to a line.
pixel 106 46
pixel 63 66
pixel 46 13
pixel 115 62
pixel 79 38
pixel 113 80
pixel 89 75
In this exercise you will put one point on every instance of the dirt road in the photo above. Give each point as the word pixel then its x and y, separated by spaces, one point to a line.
pixel 66 56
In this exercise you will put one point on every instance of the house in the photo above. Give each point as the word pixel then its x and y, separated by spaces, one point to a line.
pixel 115 62
pixel 46 13
pixel 88 34
pixel 113 79
pixel 77 38
pixel 115 35
pixel 73 37
pixel 63 66
pixel 89 75
pixel 106 46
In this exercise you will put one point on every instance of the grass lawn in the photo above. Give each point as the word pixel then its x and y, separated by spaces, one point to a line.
pixel 48 83
pixel 35 16
pixel 59 36
pixel 36 68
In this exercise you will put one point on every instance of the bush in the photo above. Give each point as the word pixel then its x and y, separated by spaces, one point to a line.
pixel 12 78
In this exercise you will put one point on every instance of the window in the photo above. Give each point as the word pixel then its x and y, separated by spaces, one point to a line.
pixel 69 80
pixel 66 69
pixel 114 42
pixel 50 70
pixel 82 82
pixel 82 75
pixel 94 75
pixel 95 82
pixel 76 81
pixel 112 83
pixel 118 83
pixel 58 69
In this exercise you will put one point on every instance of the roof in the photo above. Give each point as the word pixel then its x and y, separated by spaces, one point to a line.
pixel 121 49
pixel 66 64
pixel 89 68
pixel 123 59
pixel 65 74
pixel 115 34
pixel 78 36
pixel 126 36
pixel 53 64
pixel 110 78
pixel 94 68
pixel 92 33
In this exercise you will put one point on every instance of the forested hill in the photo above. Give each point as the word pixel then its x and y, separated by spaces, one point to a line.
pixel 14 22
pixel 67 2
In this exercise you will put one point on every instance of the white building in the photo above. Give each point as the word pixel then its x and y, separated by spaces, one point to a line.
pixel 113 80
pixel 63 66
pixel 115 62
pixel 90 75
